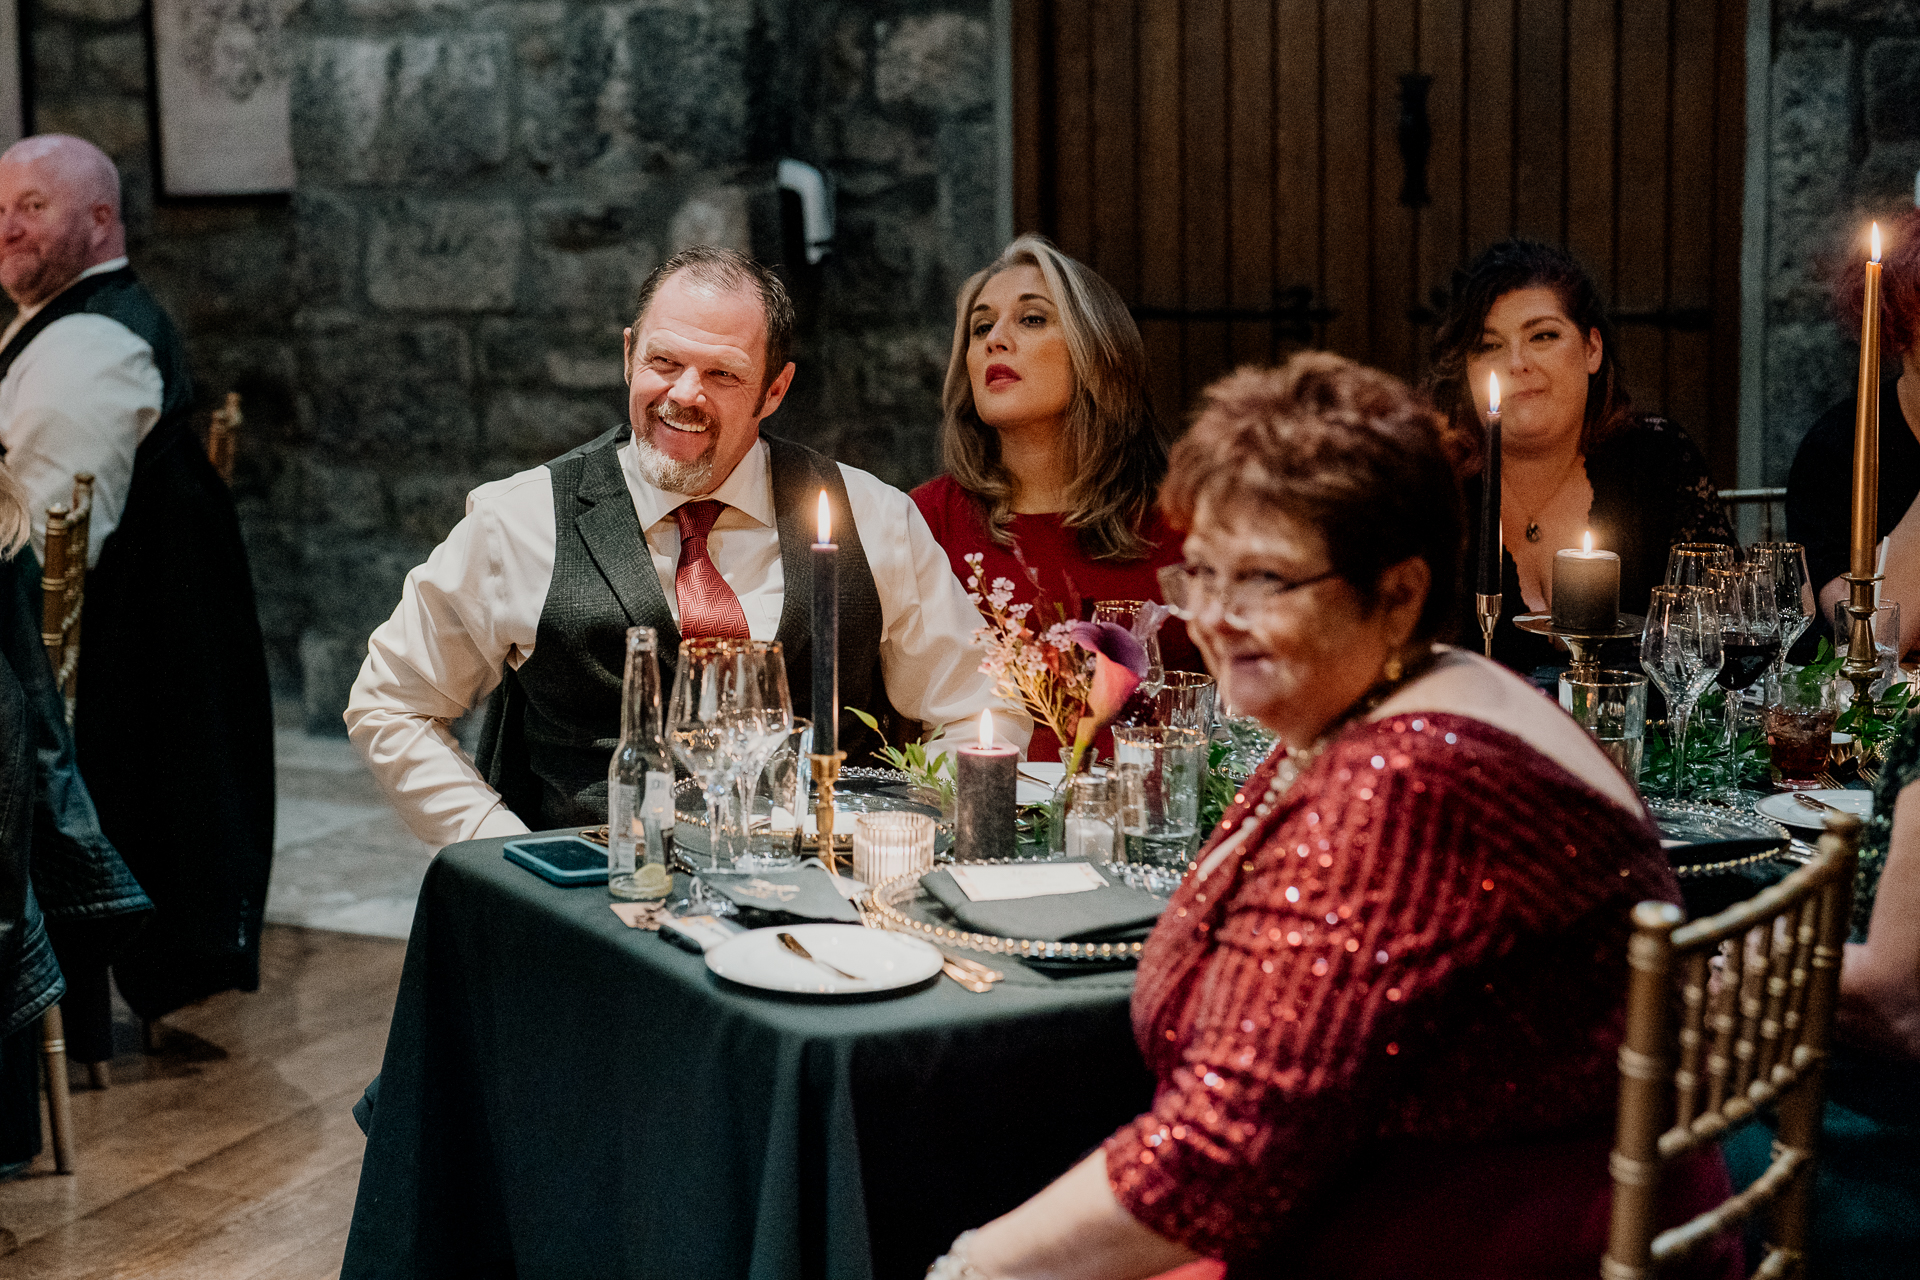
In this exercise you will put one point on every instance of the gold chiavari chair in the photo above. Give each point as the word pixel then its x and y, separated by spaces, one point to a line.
pixel 1728 1016
pixel 63 584
pixel 222 429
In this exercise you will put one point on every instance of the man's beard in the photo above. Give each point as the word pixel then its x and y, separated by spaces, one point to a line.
pixel 693 477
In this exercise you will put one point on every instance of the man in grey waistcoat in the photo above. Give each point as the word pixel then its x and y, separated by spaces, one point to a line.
pixel 685 519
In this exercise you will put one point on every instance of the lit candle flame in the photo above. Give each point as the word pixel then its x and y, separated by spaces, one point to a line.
pixel 1493 393
pixel 986 726
pixel 826 519
pixel 1876 242
pixel 1586 544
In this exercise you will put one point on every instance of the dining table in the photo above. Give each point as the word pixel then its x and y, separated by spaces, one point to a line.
pixel 563 1095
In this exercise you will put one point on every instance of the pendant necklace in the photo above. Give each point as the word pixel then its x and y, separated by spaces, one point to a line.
pixel 1533 522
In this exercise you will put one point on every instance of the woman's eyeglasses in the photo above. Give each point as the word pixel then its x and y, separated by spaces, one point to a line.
pixel 1189 590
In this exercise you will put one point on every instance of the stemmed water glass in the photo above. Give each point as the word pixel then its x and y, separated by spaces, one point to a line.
pixel 1749 633
pixel 1688 563
pixel 1680 650
pixel 721 720
pixel 1786 563
pixel 765 722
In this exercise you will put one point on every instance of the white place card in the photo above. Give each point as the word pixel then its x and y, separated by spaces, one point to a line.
pixel 1036 880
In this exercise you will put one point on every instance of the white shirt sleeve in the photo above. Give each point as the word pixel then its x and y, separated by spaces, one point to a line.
pixel 472 607
pixel 927 652
pixel 80 397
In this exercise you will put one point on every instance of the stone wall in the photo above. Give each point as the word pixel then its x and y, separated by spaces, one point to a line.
pixel 1843 145
pixel 481 189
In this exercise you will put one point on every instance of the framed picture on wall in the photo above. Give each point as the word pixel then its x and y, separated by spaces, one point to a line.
pixel 222 70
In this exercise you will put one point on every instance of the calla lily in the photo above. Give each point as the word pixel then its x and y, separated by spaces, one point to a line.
pixel 1119 664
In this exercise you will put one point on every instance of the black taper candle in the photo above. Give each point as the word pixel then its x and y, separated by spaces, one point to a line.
pixel 826 637
pixel 1490 545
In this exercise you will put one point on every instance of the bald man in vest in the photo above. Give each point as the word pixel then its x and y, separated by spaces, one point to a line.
pixel 173 722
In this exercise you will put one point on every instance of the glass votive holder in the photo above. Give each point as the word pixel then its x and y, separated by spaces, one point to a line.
pixel 1092 819
pixel 1186 701
pixel 1160 772
pixel 889 845
pixel 1612 707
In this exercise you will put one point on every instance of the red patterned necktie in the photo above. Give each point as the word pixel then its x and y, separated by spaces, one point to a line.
pixel 708 607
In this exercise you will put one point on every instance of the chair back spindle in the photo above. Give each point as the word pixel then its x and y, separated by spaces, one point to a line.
pixel 1727 1016
pixel 63 586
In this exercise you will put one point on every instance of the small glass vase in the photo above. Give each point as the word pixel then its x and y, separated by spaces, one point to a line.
pixel 1060 803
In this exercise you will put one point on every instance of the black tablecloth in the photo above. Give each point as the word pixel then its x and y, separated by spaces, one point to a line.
pixel 564 1096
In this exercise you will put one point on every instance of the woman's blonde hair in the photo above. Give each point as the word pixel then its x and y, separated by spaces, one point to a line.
pixel 16 517
pixel 1111 431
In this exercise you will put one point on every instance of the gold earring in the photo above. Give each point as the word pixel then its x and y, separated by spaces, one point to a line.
pixel 1394 669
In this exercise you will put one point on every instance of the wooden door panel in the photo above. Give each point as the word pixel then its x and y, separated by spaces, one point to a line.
pixel 1235 169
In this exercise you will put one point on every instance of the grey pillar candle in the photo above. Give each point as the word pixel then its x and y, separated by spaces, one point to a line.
pixel 984 797
pixel 1586 590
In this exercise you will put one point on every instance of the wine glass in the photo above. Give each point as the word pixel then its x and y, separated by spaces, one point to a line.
pixel 1129 614
pixel 1688 563
pixel 704 730
pixel 1680 650
pixel 1749 634
pixel 1792 593
pixel 764 721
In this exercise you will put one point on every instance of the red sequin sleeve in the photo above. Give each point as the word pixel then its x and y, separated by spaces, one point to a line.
pixel 1297 1010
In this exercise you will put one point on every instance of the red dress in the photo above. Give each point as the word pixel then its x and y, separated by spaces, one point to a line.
pixel 1386 1031
pixel 959 524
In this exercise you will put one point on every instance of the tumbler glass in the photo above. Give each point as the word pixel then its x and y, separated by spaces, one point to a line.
pixel 1800 732
pixel 1160 771
pixel 1886 641
pixel 1186 701
pixel 1612 707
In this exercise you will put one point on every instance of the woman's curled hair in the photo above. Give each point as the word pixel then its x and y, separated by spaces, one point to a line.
pixel 1346 451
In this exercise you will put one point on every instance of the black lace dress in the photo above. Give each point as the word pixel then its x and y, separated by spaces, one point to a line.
pixel 1650 490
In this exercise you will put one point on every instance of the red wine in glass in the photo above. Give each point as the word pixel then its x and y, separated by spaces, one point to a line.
pixel 1746 660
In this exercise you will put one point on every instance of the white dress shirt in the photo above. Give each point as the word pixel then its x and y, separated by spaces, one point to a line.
pixel 476 604
pixel 80 397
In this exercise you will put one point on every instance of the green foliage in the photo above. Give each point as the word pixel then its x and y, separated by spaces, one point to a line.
pixel 1710 766
pixel 1216 788
pixel 1817 674
pixel 1874 725
pixel 935 773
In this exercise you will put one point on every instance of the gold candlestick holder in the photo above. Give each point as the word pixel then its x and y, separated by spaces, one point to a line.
pixel 1862 666
pixel 1488 607
pixel 1585 646
pixel 826 773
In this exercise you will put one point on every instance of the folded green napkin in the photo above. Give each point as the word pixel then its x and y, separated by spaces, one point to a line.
pixel 1116 913
pixel 805 893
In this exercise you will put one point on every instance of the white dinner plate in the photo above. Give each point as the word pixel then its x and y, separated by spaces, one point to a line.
pixel 884 961
pixel 1783 808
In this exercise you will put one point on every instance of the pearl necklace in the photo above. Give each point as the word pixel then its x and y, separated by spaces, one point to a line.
pixel 1295 763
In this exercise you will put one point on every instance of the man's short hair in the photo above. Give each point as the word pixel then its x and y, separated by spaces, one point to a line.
pixel 730 269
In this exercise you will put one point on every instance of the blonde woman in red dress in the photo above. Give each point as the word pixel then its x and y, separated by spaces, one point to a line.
pixel 1385 1011
pixel 1053 454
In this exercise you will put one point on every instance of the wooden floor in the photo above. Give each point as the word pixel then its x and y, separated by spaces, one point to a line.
pixel 232 1154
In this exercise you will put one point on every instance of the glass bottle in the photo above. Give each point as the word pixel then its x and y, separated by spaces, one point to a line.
pixel 640 781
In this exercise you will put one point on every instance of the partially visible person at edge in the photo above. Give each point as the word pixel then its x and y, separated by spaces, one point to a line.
pixel 1384 1012
pixel 1866 1199
pixel 1053 454
pixel 1573 456
pixel 61 883
pixel 174 721
pixel 1820 486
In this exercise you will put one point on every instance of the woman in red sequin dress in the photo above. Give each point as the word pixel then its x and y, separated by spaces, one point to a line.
pixel 1053 453
pixel 1384 1013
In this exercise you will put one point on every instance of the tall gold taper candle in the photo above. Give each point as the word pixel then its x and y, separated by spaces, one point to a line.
pixel 1866 425
pixel 1862 664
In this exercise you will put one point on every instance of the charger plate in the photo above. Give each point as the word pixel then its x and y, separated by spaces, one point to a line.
pixel 901 905
pixel 1684 824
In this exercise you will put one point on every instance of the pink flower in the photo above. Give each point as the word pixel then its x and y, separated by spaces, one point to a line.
pixel 1119 664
